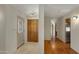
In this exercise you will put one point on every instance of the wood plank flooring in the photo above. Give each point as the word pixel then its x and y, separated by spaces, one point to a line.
pixel 58 47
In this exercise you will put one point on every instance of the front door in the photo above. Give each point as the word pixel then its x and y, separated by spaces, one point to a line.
pixel 32 30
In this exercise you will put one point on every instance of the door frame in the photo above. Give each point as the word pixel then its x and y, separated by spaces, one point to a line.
pixel 70 31
pixel 18 17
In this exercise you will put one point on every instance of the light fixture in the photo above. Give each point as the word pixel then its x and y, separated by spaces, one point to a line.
pixel 75 19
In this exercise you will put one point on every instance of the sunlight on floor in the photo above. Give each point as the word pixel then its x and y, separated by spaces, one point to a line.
pixel 53 44
pixel 28 48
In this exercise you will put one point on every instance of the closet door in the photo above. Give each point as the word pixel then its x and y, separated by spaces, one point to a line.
pixel 32 30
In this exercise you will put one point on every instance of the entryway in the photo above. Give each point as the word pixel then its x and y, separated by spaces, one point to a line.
pixel 31 46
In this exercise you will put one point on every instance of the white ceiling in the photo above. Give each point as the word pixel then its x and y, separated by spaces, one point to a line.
pixel 26 7
pixel 31 10
pixel 51 10
pixel 58 10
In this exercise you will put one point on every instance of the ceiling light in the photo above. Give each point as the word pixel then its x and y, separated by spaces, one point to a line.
pixel 75 17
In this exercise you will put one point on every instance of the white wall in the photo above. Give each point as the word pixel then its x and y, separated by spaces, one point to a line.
pixel 25 26
pixel 47 28
pixel 60 28
pixel 41 29
pixel 11 37
pixel 75 31
pixel 75 35
pixel 2 28
pixel 11 28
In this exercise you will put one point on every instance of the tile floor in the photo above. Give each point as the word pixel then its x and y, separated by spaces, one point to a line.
pixel 28 48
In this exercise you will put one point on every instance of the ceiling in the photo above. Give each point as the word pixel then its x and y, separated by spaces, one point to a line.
pixel 26 8
pixel 51 10
pixel 58 10
pixel 31 10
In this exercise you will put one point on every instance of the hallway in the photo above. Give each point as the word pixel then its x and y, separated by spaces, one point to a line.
pixel 16 30
pixel 59 48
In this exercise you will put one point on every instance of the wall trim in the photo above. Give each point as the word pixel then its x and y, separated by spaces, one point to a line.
pixel 74 50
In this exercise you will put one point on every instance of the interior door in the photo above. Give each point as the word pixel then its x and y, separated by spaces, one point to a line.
pixel 32 30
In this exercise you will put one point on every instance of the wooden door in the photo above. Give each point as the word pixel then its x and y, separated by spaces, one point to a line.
pixel 32 31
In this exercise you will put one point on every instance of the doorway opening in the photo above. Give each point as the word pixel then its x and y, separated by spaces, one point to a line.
pixel 32 30
pixel 53 29
pixel 53 34
pixel 68 31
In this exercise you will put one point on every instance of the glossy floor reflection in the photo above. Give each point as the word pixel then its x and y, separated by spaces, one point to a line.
pixel 58 47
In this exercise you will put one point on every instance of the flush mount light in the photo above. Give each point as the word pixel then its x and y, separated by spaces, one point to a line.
pixel 75 17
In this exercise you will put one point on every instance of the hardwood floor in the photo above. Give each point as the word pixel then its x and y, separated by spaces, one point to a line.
pixel 57 47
